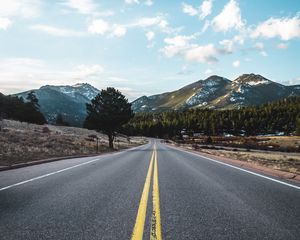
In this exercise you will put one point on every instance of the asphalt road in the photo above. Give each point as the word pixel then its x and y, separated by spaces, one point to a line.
pixel 150 190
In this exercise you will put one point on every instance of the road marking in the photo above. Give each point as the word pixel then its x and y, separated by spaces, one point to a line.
pixel 155 233
pixel 64 169
pixel 141 215
pixel 241 169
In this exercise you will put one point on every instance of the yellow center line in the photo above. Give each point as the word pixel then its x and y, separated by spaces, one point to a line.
pixel 155 219
pixel 141 215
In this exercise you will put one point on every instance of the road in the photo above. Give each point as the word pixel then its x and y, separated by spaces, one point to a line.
pixel 153 191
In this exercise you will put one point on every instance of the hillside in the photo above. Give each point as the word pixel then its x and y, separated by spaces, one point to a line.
pixel 217 92
pixel 70 101
pixel 214 92
pixel 23 142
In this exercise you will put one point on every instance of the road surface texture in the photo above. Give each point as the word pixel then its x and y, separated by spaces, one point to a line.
pixel 149 192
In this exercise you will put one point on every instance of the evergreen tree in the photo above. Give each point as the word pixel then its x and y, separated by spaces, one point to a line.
pixel 279 116
pixel 60 120
pixel 31 97
pixel 298 125
pixel 15 108
pixel 107 112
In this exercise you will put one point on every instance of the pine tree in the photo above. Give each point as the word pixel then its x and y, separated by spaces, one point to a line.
pixel 298 125
pixel 107 112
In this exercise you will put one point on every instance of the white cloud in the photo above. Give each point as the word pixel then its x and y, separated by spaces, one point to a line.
pixel 202 54
pixel 119 31
pixel 284 28
pixel 203 10
pixel 146 2
pixel 236 63
pixel 282 46
pixel 86 71
pixel 152 21
pixel 239 39
pixel 82 6
pixel 229 18
pixel 176 45
pixel 132 1
pixel 98 26
pixel 228 45
pixel 179 40
pixel 88 7
pixel 181 46
pixel 5 23
pixel 20 8
pixel 206 8
pixel 20 74
pixel 101 27
pixel 55 31
pixel 150 35
pixel 205 26
pixel 189 9
pixel 158 22
pixel 149 3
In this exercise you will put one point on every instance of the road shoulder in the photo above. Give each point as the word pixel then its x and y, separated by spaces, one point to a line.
pixel 245 165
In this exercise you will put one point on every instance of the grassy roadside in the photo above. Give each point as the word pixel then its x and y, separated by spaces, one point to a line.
pixel 284 161
pixel 23 142
pixel 279 161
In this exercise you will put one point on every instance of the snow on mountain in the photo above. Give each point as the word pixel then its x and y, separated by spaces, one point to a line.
pixel 83 89
pixel 219 93
pixel 70 101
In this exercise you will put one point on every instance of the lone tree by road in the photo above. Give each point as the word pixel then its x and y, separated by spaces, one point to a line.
pixel 107 112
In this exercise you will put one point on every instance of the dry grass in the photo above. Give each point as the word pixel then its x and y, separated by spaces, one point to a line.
pixel 22 142
pixel 279 143
pixel 281 161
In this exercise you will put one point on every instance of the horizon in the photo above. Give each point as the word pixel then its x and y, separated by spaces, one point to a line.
pixel 145 47
pixel 168 91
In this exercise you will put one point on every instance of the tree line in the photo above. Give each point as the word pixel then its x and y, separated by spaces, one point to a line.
pixel 110 112
pixel 15 108
pixel 279 116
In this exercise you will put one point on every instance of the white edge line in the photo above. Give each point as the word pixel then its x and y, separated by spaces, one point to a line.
pixel 68 168
pixel 241 169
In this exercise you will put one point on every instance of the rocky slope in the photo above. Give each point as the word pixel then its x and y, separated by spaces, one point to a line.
pixel 217 92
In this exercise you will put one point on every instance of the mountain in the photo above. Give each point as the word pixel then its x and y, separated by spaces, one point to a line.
pixel 217 92
pixel 70 101
pixel 214 92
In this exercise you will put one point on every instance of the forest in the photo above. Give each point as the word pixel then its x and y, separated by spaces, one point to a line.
pixel 12 107
pixel 280 116
pixel 270 118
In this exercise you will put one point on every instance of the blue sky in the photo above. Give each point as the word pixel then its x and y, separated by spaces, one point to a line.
pixel 144 47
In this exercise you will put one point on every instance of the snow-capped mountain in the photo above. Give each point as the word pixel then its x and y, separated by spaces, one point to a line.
pixel 214 92
pixel 217 92
pixel 70 101
pixel 80 89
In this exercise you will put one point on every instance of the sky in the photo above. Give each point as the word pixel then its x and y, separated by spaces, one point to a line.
pixel 145 47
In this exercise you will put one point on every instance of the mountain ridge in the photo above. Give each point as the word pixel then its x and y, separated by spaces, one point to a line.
pixel 214 92
pixel 70 101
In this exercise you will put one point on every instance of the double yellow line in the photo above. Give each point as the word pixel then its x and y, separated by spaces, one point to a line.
pixel 155 230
